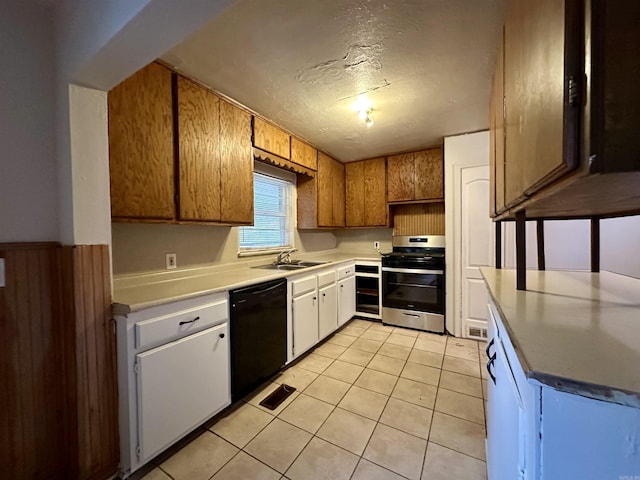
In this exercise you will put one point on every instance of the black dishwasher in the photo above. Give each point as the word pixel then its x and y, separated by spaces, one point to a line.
pixel 258 334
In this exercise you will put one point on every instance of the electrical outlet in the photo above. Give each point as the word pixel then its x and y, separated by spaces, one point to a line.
pixel 172 261
pixel 376 245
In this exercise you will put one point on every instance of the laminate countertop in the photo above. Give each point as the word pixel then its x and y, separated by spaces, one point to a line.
pixel 139 291
pixel 577 332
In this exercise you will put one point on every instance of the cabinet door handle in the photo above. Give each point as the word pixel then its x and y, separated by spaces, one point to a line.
pixel 324 294
pixel 222 335
pixel 189 321
pixel 489 346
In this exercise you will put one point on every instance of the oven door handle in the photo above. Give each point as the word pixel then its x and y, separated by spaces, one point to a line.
pixel 412 270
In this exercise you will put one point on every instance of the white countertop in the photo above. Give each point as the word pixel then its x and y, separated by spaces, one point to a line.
pixel 574 331
pixel 137 292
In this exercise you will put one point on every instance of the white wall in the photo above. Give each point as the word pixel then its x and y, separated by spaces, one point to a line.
pixel 28 185
pixel 619 240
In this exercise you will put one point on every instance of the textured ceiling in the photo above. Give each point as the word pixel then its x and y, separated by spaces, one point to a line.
pixel 425 65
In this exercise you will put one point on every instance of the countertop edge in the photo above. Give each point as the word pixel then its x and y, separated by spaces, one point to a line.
pixel 582 388
pixel 120 308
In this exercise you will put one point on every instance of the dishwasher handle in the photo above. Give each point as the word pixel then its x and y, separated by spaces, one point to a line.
pixel 259 289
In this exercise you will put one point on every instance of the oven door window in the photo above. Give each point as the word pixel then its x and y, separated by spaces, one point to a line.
pixel 422 292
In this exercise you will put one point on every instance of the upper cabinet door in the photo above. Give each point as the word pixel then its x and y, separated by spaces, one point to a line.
pixel 429 175
pixel 338 194
pixel 325 190
pixel 270 138
pixel 354 198
pixel 375 192
pixel 198 152
pixel 236 165
pixel 400 178
pixel 540 61
pixel 141 146
pixel 304 154
pixel 496 155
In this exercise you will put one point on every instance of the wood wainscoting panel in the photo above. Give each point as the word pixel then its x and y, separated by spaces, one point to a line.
pixel 91 361
pixel 418 219
pixel 32 406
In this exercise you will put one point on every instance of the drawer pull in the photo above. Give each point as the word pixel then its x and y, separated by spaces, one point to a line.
pixel 222 335
pixel 189 321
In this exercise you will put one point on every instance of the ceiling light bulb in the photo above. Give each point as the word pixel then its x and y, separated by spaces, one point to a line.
pixel 368 121
pixel 363 115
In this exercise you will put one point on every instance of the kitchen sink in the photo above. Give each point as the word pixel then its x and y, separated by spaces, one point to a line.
pixel 294 265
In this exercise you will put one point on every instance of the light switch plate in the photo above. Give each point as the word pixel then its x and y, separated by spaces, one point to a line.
pixel 2 280
pixel 171 261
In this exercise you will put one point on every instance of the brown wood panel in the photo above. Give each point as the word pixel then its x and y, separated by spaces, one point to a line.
pixel 307 202
pixel 400 178
pixel 198 152
pixel 375 192
pixel 499 141
pixel 338 194
pixel 325 190
pixel 303 154
pixel 91 361
pixel 141 162
pixel 429 174
pixel 354 197
pixel 267 136
pixel 236 165
pixel 418 219
pixel 534 89
pixel 32 422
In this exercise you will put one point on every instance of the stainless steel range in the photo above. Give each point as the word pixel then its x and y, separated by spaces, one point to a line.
pixel 413 283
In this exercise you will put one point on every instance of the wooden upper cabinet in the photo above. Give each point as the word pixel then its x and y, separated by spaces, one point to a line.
pixel 540 120
pixel 416 176
pixel 338 194
pixel 570 119
pixel 270 138
pixel 141 160
pixel 304 154
pixel 236 159
pixel 400 178
pixel 366 204
pixel 429 175
pixel 327 190
pixel 496 139
pixel 198 152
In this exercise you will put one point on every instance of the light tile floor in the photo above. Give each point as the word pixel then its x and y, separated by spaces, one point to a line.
pixel 373 402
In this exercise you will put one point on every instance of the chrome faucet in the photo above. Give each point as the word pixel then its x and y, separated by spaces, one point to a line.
pixel 285 256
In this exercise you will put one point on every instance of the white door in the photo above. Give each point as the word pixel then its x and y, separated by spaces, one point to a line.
pixel 476 247
pixel 328 310
pixel 180 385
pixel 305 322
pixel 469 231
pixel 347 299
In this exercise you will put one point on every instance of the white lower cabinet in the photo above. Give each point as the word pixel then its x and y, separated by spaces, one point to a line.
pixel 179 385
pixel 173 374
pixel 305 322
pixel 536 432
pixel 327 310
pixel 346 294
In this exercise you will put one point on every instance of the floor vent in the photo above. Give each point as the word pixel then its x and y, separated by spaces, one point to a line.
pixel 278 396
pixel 477 332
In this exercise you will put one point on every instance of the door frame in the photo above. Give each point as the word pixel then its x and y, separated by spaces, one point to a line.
pixel 460 151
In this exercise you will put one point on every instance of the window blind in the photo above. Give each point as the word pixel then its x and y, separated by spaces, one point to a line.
pixel 273 218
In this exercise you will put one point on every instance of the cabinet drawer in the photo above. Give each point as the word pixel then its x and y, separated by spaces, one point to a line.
pixel 168 327
pixel 326 278
pixel 344 272
pixel 303 285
